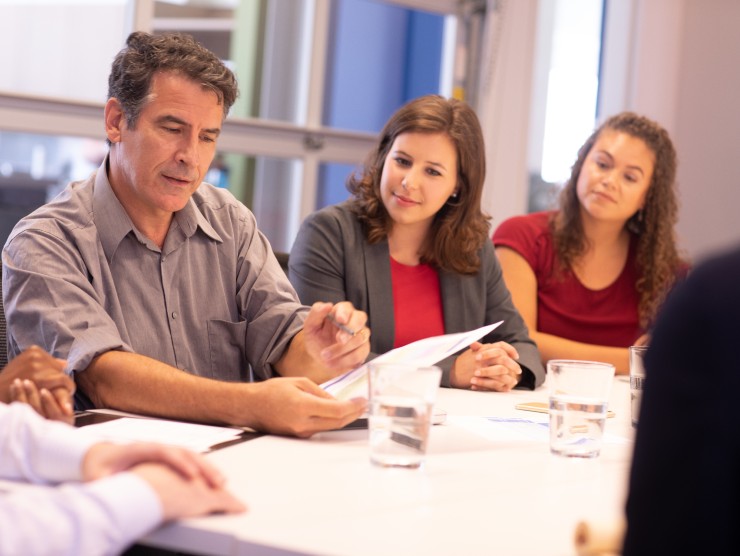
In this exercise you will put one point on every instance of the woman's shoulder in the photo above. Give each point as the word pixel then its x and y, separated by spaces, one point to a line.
pixel 340 215
pixel 530 236
pixel 527 231
pixel 534 223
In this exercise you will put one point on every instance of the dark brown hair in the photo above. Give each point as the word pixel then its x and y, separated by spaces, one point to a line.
pixel 658 261
pixel 460 227
pixel 144 55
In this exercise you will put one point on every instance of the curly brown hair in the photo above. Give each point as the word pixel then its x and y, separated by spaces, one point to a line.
pixel 657 257
pixel 144 55
pixel 460 228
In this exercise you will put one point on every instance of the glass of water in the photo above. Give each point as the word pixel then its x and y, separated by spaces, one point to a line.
pixel 637 379
pixel 579 395
pixel 401 406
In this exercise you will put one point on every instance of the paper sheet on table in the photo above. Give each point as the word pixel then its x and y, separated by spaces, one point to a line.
pixel 423 353
pixel 199 438
pixel 508 429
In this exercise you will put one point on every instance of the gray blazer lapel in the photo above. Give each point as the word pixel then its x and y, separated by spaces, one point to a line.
pixel 380 296
pixel 453 302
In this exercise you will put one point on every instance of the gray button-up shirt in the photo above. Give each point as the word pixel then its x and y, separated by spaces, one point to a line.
pixel 79 280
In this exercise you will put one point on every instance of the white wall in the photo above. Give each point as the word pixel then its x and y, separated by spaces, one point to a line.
pixel 707 122
pixel 504 105
pixel 685 73
pixel 87 37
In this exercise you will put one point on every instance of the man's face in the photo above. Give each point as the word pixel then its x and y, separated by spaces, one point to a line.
pixel 157 165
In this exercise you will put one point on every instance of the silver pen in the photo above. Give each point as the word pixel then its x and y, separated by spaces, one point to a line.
pixel 343 327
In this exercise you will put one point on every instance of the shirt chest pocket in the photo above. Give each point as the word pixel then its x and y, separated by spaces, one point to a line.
pixel 226 349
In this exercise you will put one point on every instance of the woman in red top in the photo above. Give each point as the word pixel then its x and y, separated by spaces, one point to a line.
pixel 589 278
pixel 411 248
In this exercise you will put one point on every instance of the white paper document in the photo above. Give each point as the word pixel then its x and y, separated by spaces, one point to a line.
pixel 199 438
pixel 516 429
pixel 422 353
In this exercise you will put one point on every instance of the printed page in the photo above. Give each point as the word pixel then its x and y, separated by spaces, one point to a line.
pixel 422 353
pixel 199 438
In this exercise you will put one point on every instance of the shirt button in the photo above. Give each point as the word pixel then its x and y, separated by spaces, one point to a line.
pixel 174 314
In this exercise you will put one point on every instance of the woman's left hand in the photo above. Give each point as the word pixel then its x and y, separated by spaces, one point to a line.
pixel 487 367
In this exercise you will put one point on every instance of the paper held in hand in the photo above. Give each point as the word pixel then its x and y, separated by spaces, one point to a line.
pixel 423 353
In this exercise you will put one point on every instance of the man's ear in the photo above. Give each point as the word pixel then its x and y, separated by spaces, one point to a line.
pixel 114 120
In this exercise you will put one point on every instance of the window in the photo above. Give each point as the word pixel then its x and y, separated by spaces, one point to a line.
pixel 565 92
pixel 318 78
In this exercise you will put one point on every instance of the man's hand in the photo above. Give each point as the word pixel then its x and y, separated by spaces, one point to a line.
pixel 298 407
pixel 336 335
pixel 34 376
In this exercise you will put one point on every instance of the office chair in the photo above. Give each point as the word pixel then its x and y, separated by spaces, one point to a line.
pixel 282 258
pixel 3 327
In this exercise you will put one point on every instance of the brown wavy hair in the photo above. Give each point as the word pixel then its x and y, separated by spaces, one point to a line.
pixel 460 228
pixel 657 257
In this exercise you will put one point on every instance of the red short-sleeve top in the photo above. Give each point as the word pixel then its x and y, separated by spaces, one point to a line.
pixel 565 307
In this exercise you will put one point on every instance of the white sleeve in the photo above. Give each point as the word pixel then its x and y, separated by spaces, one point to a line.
pixel 38 450
pixel 101 517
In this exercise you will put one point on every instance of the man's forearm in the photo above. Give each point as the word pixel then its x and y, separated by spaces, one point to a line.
pixel 139 384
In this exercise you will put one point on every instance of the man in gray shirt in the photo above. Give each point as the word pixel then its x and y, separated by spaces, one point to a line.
pixel 158 289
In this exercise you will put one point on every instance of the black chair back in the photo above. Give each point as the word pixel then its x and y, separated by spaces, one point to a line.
pixel 282 258
pixel 3 326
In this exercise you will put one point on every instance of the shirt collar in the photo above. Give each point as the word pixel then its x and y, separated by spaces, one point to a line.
pixel 189 219
pixel 111 220
pixel 113 223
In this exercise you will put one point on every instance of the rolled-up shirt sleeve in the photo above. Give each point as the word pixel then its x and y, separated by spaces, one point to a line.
pixel 50 300
pixel 267 301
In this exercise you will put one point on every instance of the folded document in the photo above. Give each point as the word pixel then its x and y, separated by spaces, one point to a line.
pixel 421 353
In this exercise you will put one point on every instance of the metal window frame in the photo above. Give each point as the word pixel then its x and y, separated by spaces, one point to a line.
pixel 311 143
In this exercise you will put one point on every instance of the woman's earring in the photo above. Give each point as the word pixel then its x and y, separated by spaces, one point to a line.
pixel 454 195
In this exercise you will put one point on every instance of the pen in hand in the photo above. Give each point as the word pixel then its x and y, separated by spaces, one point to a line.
pixel 343 327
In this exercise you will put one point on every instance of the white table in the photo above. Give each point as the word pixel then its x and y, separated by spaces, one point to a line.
pixel 473 496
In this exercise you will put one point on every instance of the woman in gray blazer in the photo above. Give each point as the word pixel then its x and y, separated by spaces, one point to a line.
pixel 411 248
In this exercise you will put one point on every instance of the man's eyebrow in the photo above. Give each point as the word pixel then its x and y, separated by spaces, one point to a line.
pixel 168 118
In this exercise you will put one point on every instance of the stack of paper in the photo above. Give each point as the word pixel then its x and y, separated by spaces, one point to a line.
pixel 199 438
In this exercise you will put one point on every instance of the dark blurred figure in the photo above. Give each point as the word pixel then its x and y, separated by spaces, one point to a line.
pixel 685 482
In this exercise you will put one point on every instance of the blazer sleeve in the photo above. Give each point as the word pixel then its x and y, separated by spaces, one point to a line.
pixel 316 263
pixel 499 306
